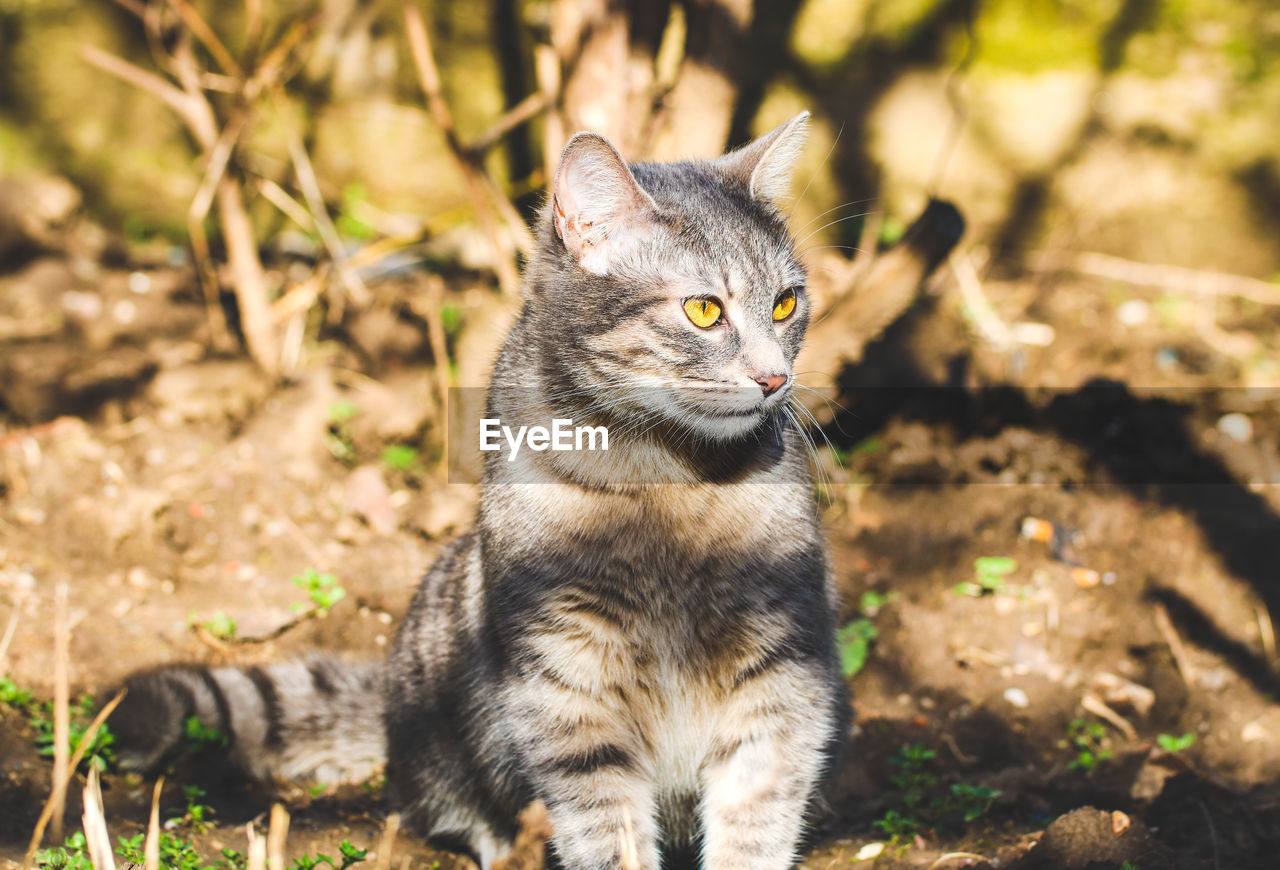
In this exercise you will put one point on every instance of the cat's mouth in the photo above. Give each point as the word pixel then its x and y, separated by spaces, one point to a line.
pixel 725 410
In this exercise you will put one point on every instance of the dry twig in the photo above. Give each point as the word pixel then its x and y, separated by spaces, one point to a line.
pixel 1095 705
pixel 61 705
pixel 277 834
pixel 1174 279
pixel 1170 634
pixel 257 849
pixel 85 742
pixel 310 187
pixel 97 838
pixel 388 841
pixel 151 848
pixel 473 174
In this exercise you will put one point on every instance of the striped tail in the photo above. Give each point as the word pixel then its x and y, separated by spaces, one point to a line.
pixel 315 719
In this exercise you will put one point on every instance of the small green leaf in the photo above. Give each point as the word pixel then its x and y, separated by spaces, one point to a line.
pixel 995 565
pixel 400 457
pixel 854 642
pixel 1175 744
pixel 343 410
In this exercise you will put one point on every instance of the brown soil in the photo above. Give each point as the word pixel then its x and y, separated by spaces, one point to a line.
pixel 164 486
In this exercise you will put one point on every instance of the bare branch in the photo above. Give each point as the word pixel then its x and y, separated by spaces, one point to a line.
pixel 328 233
pixel 429 79
pixel 181 103
pixel 1170 278
pixel 522 111
pixel 290 207
pixel 203 32
pixel 247 276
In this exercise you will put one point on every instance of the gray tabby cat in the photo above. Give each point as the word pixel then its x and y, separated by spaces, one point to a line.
pixel 659 655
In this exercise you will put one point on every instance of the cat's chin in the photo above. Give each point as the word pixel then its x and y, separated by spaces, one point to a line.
pixel 730 427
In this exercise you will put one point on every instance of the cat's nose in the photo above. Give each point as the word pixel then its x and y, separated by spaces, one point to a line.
pixel 770 384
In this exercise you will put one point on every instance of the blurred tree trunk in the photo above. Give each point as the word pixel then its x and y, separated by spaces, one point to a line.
pixel 510 49
pixel 697 113
pixel 606 54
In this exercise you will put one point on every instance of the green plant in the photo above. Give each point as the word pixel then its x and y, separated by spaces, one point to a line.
pixel 1090 743
pixel 451 319
pixel 74 855
pixel 200 737
pixel 872 601
pixel 175 852
pixel 322 589
pixel 220 625
pixel 989 575
pixel 400 457
pixel 197 815
pixel 854 641
pixel 971 802
pixel 897 826
pixel 350 223
pixel 920 802
pixel 232 859
pixel 340 440
pixel 12 696
pixel 100 752
pixel 349 857
pixel 1175 744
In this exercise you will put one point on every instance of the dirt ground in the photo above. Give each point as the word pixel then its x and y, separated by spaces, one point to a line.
pixel 170 489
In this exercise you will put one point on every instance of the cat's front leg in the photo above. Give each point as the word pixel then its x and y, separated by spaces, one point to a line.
pixel 583 758
pixel 764 770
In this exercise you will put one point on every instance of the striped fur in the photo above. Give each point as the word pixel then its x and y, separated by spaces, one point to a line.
pixel 313 718
pixel 643 638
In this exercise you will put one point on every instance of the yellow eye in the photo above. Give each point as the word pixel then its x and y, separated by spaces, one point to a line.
pixel 703 312
pixel 785 305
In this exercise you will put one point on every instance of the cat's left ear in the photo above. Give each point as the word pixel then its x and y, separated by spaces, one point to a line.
pixel 765 165
pixel 597 205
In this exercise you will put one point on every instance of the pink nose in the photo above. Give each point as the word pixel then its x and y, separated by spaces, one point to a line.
pixel 770 384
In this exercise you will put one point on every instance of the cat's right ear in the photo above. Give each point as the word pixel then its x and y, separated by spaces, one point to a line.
pixel 597 205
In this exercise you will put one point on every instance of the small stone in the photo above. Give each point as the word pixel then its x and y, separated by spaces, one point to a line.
pixel 124 312
pixel 1237 427
pixel 139 283
pixel 138 578
pixel 30 516
pixel 1017 697
pixel 1134 312
pixel 869 851
pixel 1254 732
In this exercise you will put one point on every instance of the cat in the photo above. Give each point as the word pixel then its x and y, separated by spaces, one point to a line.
pixel 643 638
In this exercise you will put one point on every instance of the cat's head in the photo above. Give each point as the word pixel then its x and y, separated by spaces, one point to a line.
pixel 672 289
